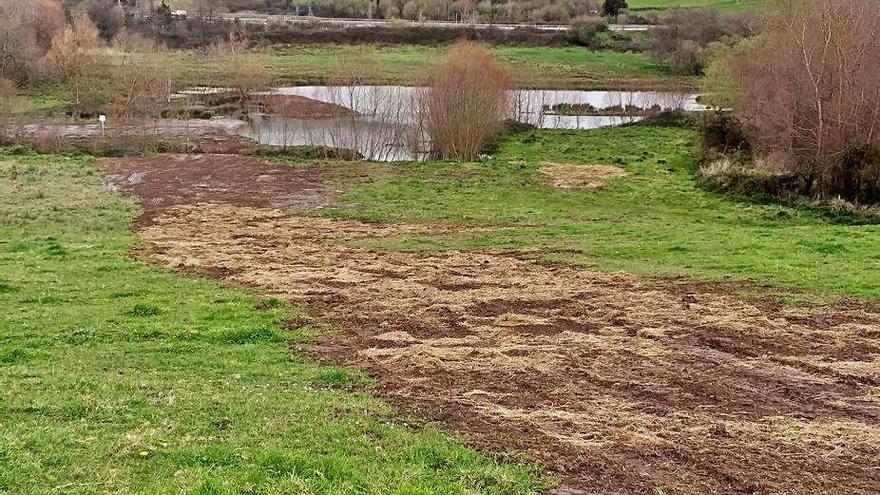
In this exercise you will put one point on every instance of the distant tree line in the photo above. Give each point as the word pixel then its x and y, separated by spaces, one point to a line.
pixel 109 12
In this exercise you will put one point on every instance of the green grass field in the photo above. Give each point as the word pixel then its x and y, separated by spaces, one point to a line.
pixel 720 5
pixel 541 67
pixel 655 221
pixel 31 105
pixel 118 378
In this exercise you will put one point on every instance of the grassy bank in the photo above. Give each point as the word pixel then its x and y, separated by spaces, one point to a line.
pixel 47 101
pixel 720 5
pixel 117 378
pixel 542 67
pixel 654 221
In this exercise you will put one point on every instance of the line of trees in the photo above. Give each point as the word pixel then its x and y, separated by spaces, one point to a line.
pixel 129 75
pixel 451 10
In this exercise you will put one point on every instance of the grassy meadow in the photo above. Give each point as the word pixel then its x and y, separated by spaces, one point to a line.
pixel 120 378
pixel 538 67
pixel 654 221
pixel 720 5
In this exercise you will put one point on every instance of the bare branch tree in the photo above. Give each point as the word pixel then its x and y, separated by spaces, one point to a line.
pixel 247 70
pixel 807 90
pixel 72 56
pixel 466 103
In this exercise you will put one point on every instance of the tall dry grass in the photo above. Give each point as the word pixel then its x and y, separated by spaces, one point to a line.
pixel 466 103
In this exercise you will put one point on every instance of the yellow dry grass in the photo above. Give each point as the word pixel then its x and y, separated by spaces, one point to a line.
pixel 569 175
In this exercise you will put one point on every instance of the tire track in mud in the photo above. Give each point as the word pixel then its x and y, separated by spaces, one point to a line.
pixel 616 383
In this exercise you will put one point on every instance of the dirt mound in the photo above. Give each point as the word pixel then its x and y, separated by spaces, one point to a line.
pixel 568 175
pixel 300 107
pixel 616 384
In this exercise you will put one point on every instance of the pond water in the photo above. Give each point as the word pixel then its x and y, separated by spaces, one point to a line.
pixel 386 126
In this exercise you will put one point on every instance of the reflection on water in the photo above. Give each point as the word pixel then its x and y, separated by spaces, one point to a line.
pixel 374 139
pixel 387 125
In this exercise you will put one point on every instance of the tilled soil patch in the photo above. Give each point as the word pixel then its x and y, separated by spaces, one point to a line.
pixel 617 384
pixel 168 180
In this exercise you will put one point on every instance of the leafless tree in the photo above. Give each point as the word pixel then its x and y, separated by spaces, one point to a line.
pixel 142 76
pixel 72 58
pixel 26 31
pixel 808 89
pixel 466 102
pixel 247 70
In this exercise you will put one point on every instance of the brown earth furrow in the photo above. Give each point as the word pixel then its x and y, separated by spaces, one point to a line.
pixel 614 382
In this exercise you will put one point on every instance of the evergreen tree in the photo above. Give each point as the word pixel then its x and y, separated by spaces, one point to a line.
pixel 613 7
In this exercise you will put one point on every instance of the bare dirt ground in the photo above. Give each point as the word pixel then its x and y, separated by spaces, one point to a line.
pixel 618 384
pixel 300 107
pixel 172 180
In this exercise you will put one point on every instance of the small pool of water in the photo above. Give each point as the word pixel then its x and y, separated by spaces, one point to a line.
pixel 386 125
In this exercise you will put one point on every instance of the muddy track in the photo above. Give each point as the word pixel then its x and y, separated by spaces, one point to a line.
pixel 616 383
pixel 199 135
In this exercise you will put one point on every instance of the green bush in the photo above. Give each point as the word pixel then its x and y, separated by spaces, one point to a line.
pixel 585 31
pixel 306 152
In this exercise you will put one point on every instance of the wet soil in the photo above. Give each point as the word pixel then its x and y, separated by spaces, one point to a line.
pixel 170 180
pixel 617 384
pixel 202 136
pixel 300 107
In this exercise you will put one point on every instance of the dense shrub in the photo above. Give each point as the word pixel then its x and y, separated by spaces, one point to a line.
pixel 685 35
pixel 614 7
pixel 585 31
pixel 72 60
pixel 307 152
pixel 731 174
pixel 116 146
pixel 808 94
pixel 724 133
pixel 26 31
pixel 855 175
pixel 107 15
pixel 466 102
pixel 554 12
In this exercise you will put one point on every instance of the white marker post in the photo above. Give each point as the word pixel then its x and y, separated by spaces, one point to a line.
pixel 102 119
